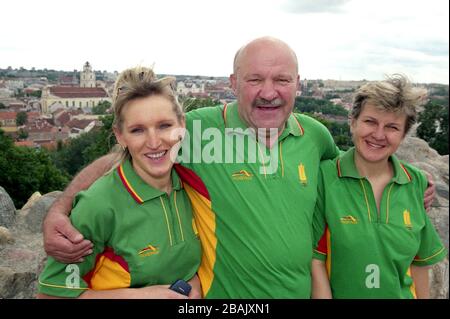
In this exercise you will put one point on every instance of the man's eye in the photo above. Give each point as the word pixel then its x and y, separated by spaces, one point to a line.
pixel 254 80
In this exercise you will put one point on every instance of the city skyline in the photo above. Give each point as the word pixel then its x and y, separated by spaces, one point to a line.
pixel 341 39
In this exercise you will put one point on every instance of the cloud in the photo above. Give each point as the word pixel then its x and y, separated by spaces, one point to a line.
pixel 435 48
pixel 313 6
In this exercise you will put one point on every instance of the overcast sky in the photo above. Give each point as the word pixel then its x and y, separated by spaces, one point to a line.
pixel 333 39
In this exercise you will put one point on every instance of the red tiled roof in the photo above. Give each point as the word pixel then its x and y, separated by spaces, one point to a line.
pixel 24 143
pixel 39 126
pixel 8 115
pixel 79 124
pixel 77 92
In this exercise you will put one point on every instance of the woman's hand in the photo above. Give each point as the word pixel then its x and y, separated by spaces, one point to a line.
pixel 196 291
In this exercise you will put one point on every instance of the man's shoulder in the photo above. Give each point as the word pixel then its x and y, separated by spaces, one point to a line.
pixel 212 114
pixel 310 122
pixel 314 129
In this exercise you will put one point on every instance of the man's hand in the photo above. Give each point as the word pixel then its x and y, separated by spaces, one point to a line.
pixel 430 192
pixel 62 241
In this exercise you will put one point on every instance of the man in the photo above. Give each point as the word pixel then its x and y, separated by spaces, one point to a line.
pixel 253 211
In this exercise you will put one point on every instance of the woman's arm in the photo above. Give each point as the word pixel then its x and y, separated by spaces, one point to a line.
pixel 151 292
pixel 196 291
pixel 421 281
pixel 320 284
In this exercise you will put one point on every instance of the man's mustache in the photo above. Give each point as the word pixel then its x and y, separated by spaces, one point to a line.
pixel 272 103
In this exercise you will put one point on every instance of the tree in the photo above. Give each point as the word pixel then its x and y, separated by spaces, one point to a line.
pixel 433 126
pixel 21 118
pixel 24 171
pixel 22 134
pixel 37 93
pixel 80 151
pixel 2 106
pixel 339 131
pixel 196 103
pixel 310 105
pixel 101 108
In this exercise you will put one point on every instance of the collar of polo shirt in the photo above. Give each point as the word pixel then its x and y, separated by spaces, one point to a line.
pixel 347 168
pixel 138 188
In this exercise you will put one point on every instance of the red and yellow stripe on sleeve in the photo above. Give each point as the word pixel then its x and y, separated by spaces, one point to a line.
pixel 205 220
pixel 110 272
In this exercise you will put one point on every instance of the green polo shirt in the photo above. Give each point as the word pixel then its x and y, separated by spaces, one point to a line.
pixel 256 214
pixel 141 237
pixel 368 252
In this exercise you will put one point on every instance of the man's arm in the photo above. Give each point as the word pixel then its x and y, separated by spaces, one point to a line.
pixel 61 240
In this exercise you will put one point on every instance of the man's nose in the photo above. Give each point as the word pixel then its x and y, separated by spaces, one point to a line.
pixel 268 91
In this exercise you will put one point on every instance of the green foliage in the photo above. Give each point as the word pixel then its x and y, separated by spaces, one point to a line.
pixel 22 134
pixel 24 171
pixel 19 93
pixel 433 126
pixel 310 105
pixel 196 103
pixel 21 118
pixel 80 151
pixel 101 108
pixel 37 94
pixel 2 106
pixel 105 140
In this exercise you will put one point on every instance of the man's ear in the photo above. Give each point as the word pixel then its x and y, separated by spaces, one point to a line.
pixel 233 81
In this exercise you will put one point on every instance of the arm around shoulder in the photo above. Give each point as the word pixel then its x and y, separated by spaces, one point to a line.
pixel 61 239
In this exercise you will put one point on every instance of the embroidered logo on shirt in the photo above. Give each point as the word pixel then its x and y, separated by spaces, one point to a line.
pixel 302 174
pixel 407 219
pixel 349 220
pixel 242 175
pixel 148 251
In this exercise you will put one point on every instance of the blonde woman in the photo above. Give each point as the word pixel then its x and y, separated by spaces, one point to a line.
pixel 138 215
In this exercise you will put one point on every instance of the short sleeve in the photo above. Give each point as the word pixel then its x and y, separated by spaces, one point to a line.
pixel 94 221
pixel 431 250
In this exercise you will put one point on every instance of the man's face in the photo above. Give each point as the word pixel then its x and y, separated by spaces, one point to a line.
pixel 265 84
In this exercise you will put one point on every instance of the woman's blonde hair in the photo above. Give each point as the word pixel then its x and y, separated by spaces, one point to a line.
pixel 395 94
pixel 135 83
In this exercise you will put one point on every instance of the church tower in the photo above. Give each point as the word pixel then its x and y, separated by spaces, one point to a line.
pixel 87 77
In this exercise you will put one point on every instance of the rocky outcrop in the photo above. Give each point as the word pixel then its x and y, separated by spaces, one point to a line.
pixel 7 209
pixel 417 152
pixel 22 255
